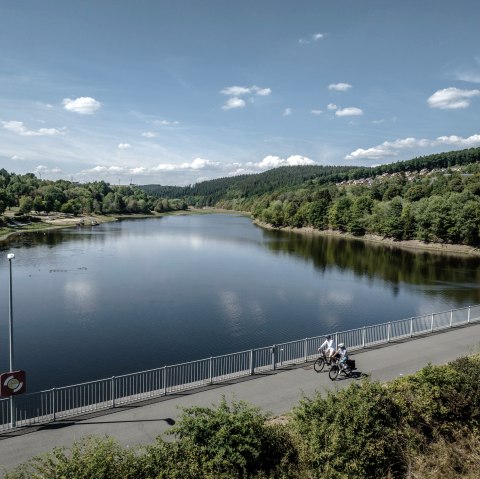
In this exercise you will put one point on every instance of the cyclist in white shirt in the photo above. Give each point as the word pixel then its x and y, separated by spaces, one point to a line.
pixel 329 347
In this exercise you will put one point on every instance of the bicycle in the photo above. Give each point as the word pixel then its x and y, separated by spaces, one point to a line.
pixel 337 369
pixel 319 364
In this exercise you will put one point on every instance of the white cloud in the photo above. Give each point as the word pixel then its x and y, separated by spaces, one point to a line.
pixel 165 122
pixel 233 102
pixel 370 153
pixel 20 129
pixel 84 105
pixel 287 112
pixel 316 112
pixel 339 86
pixel 469 142
pixel 272 161
pixel 198 164
pixel 470 77
pixel 140 170
pixel 124 146
pixel 149 134
pixel 42 170
pixel 452 98
pixel 350 111
pixel 194 165
pixel 391 148
pixel 312 38
pixel 262 91
pixel 332 106
pixel 17 158
pixel 236 91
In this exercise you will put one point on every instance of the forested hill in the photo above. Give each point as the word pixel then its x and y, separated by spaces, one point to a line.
pixel 209 193
pixel 245 186
pixel 433 198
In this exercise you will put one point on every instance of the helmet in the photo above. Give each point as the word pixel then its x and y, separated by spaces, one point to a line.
pixel 341 345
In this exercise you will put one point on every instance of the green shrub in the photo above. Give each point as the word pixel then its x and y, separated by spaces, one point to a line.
pixel 351 433
pixel 90 458
pixel 226 441
pixel 438 399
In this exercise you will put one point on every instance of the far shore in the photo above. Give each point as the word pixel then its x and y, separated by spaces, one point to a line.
pixel 53 221
pixel 58 221
pixel 417 245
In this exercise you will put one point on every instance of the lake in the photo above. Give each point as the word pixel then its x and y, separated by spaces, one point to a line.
pixel 137 294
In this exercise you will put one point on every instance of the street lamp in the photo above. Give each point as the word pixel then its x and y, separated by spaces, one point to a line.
pixel 10 256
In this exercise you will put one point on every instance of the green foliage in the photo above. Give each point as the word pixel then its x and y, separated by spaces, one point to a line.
pixel 29 193
pixel 90 458
pixel 349 434
pixel 233 441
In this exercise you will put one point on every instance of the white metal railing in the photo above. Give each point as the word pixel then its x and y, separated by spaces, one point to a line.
pixel 69 401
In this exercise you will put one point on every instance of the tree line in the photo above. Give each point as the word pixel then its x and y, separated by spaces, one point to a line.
pixel 29 193
pixel 441 207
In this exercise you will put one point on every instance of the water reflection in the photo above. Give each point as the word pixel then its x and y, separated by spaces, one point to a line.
pixel 455 276
pixel 135 295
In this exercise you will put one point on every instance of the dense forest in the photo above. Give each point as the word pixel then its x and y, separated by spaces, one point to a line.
pixel 434 198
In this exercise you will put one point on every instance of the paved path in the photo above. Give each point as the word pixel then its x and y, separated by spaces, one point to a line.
pixel 276 392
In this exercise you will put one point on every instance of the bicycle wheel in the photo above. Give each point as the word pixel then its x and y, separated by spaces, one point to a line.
pixel 318 365
pixel 333 373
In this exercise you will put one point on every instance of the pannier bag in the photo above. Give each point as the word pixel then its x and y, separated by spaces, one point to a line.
pixel 351 363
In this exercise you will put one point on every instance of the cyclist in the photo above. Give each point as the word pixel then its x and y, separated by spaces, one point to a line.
pixel 329 348
pixel 343 354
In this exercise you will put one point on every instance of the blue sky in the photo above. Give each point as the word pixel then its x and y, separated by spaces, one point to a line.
pixel 180 91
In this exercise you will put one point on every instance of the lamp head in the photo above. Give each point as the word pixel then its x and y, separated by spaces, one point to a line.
pixel 10 256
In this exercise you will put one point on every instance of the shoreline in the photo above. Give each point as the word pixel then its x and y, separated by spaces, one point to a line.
pixel 57 221
pixel 415 245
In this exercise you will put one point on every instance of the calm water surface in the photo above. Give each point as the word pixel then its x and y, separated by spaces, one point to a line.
pixel 139 294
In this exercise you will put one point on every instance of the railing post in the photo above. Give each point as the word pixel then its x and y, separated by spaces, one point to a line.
pixel 165 380
pixel 364 330
pixel 112 390
pixel 273 350
pixel 431 326
pixel 411 327
pixel 388 331
pixel 54 406
pixel 451 317
pixel 336 340
pixel 210 370
pixel 252 362
pixel 305 349
pixel 468 318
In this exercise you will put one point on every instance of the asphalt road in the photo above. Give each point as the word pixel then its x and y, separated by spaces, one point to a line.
pixel 276 392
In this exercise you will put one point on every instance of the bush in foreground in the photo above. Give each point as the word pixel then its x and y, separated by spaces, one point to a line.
pixel 352 433
pixel 421 426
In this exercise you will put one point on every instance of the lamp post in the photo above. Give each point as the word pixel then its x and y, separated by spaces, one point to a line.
pixel 10 256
